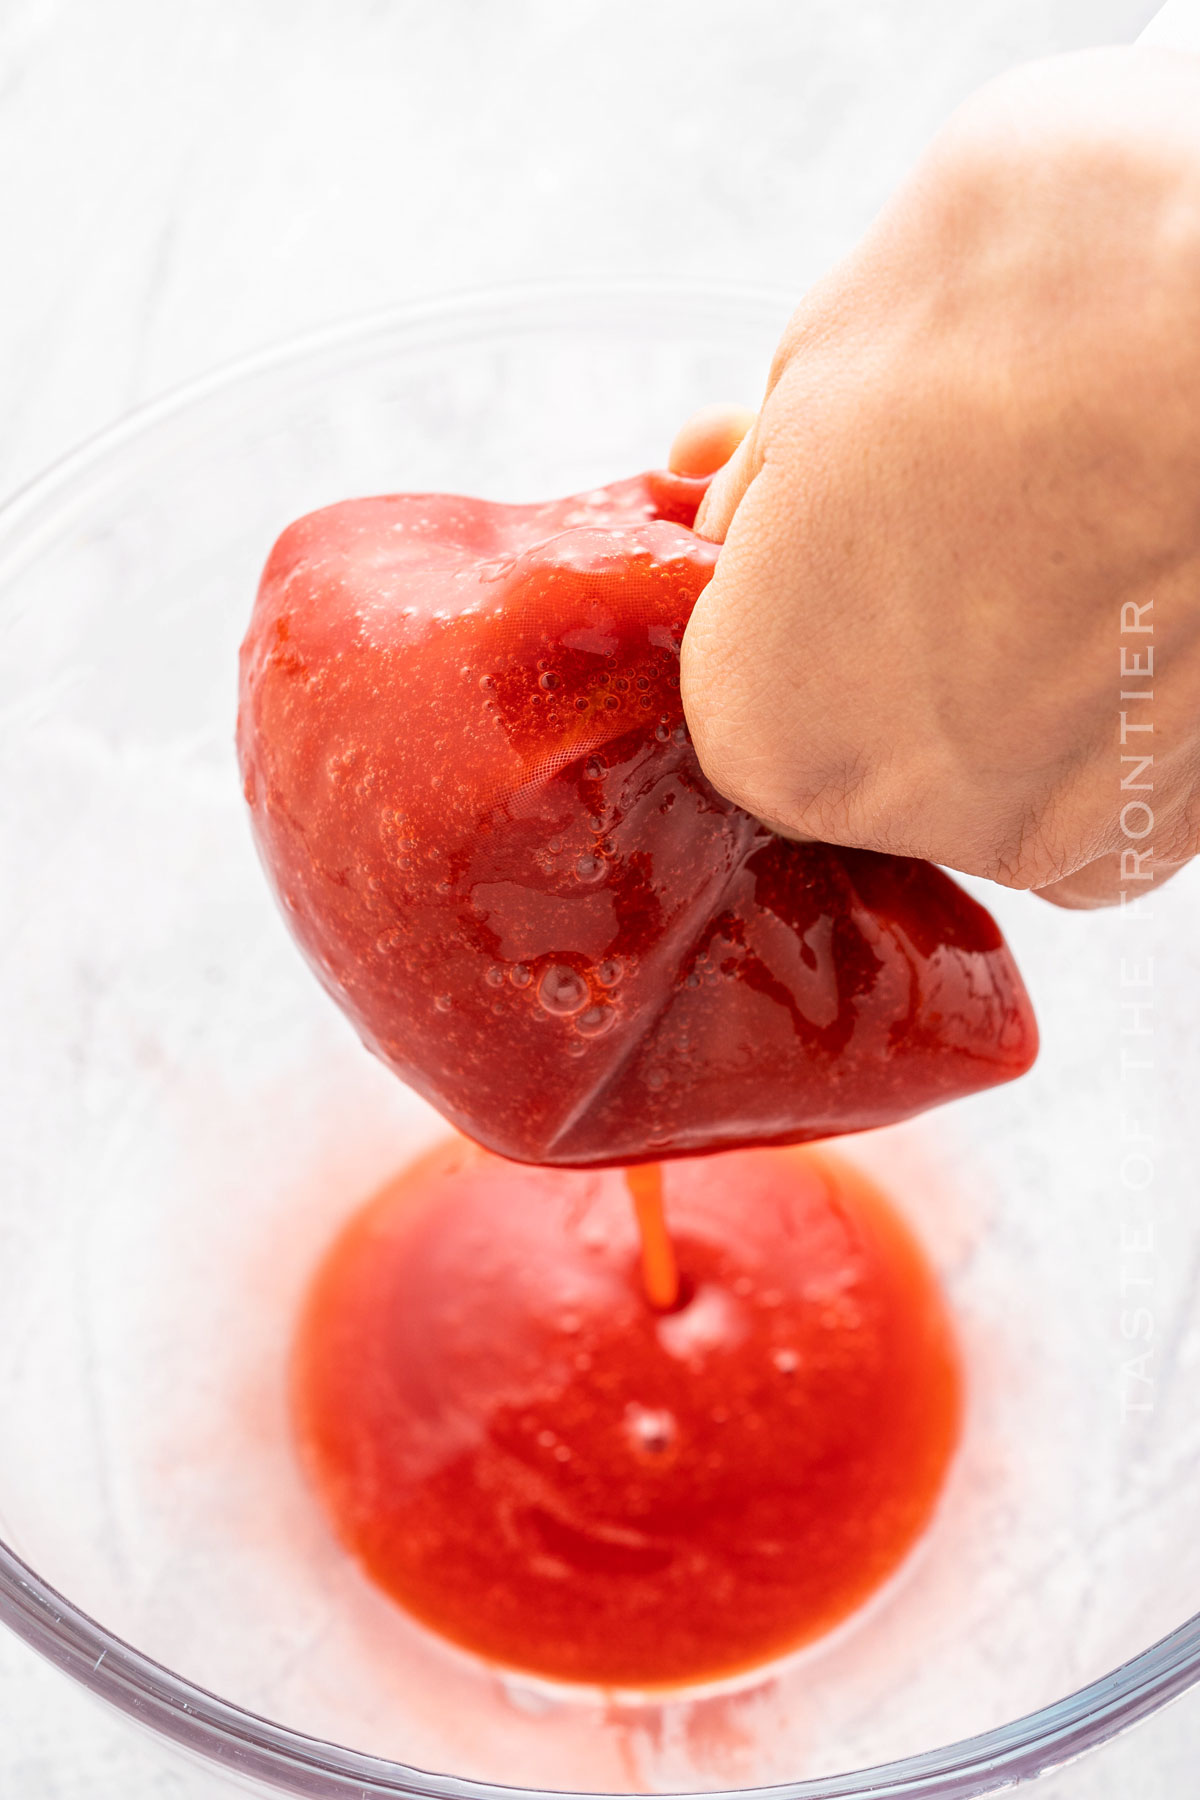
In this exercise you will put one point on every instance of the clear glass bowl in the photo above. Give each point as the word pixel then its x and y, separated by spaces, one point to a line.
pixel 186 1119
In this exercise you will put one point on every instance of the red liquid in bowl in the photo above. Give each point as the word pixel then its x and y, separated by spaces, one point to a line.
pixel 538 1464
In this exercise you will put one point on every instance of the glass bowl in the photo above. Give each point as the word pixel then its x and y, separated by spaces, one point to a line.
pixel 187 1119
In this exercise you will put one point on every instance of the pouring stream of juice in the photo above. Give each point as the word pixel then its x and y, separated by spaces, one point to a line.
pixel 660 1271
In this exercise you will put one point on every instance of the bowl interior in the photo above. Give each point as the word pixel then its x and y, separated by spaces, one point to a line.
pixel 187 1119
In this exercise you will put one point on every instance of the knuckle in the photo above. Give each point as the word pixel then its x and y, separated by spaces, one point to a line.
pixel 1019 853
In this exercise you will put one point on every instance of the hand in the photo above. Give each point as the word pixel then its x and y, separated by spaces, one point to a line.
pixel 957 612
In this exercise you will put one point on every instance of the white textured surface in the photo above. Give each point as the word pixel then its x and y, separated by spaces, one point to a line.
pixel 1175 27
pixel 184 184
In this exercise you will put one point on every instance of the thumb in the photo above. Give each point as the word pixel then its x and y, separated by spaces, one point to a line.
pixel 1100 883
pixel 717 439
pixel 727 488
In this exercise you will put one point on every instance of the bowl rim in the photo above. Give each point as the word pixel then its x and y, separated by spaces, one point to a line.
pixel 241 1742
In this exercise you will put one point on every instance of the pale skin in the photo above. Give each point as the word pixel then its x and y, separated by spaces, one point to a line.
pixel 966 520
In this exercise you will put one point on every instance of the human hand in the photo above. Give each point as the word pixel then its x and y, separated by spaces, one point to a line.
pixel 957 612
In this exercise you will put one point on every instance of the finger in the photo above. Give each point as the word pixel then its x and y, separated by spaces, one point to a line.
pixel 726 490
pixel 1101 883
pixel 709 439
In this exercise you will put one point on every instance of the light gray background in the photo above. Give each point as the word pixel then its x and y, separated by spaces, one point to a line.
pixel 184 183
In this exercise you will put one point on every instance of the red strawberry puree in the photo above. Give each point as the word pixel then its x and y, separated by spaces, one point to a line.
pixel 473 790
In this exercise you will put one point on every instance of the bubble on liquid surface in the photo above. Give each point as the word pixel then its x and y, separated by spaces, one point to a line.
pixel 494 976
pixel 712 1321
pixel 549 681
pixel 595 1021
pixel 520 975
pixel 562 990
pixel 589 868
pixel 595 768
pixel 609 972
pixel 652 1431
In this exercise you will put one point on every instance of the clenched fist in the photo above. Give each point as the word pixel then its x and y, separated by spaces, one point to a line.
pixel 957 610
